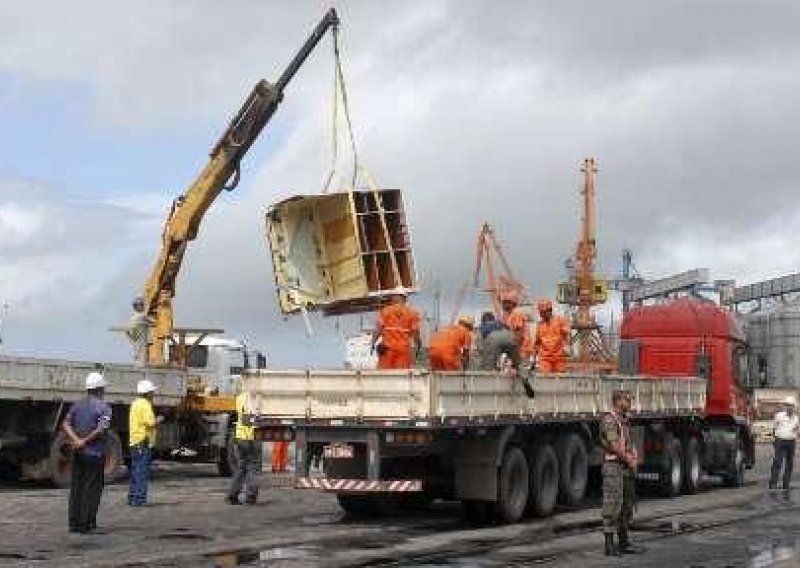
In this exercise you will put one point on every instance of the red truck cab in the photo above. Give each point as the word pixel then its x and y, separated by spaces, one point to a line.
pixel 692 337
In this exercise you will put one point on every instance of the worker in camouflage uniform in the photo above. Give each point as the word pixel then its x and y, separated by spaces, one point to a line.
pixel 619 475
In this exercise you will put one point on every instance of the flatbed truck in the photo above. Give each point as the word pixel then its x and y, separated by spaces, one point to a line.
pixel 393 438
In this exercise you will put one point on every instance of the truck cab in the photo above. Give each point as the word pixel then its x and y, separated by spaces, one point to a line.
pixel 217 363
pixel 693 337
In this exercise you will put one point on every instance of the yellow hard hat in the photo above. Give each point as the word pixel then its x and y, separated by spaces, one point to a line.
pixel 467 321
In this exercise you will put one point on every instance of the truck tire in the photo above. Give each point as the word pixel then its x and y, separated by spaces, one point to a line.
pixel 573 469
pixel 113 467
pixel 735 474
pixel 61 459
pixel 692 471
pixel 671 476
pixel 513 484
pixel 544 480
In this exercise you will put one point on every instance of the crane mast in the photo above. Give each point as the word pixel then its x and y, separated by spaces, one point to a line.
pixel 586 290
pixel 221 172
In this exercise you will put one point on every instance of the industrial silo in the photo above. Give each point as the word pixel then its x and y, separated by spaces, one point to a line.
pixel 773 334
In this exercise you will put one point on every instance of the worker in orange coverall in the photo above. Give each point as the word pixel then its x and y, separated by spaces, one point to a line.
pixel 449 348
pixel 397 327
pixel 552 339
pixel 280 456
pixel 515 319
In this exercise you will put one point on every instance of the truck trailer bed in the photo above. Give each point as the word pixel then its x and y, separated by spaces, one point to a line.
pixel 424 398
pixel 28 378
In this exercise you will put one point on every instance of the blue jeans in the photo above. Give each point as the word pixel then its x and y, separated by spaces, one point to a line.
pixel 140 469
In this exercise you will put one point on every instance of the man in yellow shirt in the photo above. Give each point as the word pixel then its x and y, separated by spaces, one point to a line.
pixel 141 441
pixel 249 453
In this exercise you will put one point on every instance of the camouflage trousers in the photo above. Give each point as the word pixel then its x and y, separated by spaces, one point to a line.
pixel 619 487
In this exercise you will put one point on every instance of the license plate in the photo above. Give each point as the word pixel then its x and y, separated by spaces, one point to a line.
pixel 338 451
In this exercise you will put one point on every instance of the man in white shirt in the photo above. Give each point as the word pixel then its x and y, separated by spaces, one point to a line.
pixel 785 429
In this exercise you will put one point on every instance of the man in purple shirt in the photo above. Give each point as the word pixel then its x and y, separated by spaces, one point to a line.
pixel 86 425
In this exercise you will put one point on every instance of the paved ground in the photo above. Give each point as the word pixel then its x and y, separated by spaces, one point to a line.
pixel 189 524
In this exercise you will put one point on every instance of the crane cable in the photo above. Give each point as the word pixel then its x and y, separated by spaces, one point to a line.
pixel 341 106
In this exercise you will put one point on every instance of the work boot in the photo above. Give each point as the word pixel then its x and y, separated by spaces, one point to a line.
pixel 625 546
pixel 611 548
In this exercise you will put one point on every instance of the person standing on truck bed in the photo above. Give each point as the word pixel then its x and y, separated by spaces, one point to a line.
pixel 138 332
pixel 397 327
pixel 86 425
pixel 619 475
pixel 516 320
pixel 552 339
pixel 249 453
pixel 448 349
pixel 141 441
pixel 785 429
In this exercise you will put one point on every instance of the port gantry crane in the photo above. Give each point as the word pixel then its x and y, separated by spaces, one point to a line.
pixel 585 290
pixel 221 172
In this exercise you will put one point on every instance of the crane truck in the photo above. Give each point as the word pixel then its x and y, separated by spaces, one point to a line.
pixel 389 438
pixel 195 373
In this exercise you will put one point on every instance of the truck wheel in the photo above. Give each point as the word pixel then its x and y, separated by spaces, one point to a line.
pixel 228 461
pixel 573 469
pixel 735 475
pixel 60 460
pixel 112 469
pixel 671 479
pixel 691 466
pixel 544 480
pixel 513 482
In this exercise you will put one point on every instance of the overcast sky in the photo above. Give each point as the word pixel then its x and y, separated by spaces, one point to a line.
pixel 479 111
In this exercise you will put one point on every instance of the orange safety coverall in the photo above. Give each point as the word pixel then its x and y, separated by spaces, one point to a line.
pixel 517 321
pixel 398 324
pixel 552 338
pixel 280 456
pixel 446 347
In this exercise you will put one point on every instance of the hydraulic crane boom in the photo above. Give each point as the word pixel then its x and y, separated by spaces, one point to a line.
pixel 221 172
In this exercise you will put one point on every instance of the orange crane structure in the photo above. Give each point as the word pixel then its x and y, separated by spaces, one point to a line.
pixel 496 284
pixel 585 290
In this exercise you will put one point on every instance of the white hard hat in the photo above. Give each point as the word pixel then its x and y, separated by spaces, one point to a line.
pixel 95 380
pixel 790 401
pixel 145 386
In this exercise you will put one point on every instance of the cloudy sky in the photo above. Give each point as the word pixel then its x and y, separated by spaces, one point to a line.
pixel 479 110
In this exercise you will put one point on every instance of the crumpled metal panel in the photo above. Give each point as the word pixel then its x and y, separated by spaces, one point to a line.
pixel 339 253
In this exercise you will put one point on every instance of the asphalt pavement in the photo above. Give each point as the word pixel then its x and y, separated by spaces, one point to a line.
pixel 189 524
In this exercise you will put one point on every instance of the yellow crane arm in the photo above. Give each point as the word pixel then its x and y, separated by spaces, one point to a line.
pixel 221 172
